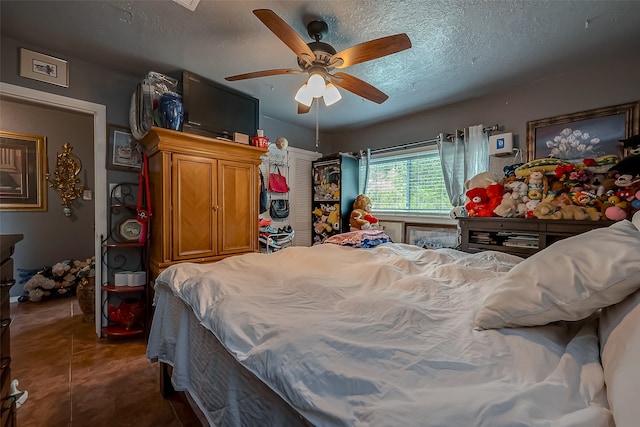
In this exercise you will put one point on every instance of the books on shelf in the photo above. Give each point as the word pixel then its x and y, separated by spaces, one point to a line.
pixel 521 240
pixel 505 238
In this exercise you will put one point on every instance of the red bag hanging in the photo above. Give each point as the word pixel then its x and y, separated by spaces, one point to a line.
pixel 278 182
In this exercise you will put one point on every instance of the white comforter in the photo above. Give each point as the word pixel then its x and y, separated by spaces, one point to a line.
pixel 385 337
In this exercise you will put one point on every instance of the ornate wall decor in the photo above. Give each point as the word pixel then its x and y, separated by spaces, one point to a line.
pixel 66 181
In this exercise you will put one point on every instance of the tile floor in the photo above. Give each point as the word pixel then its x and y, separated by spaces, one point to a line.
pixel 76 379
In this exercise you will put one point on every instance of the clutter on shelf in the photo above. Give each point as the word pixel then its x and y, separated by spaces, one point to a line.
pixel 601 188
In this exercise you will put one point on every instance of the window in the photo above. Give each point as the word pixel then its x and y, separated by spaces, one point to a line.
pixel 410 182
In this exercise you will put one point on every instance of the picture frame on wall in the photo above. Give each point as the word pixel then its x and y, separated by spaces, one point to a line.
pixel 45 68
pixel 431 236
pixel 124 152
pixel 23 167
pixel 586 134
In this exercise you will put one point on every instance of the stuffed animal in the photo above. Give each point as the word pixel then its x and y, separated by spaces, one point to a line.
pixel 478 204
pixel 548 210
pixel 494 193
pixel 361 218
pixel 333 219
pixel 481 180
pixel 518 190
pixel 579 212
pixel 508 207
pixel 537 181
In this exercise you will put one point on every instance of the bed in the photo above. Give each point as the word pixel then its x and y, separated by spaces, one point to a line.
pixel 396 335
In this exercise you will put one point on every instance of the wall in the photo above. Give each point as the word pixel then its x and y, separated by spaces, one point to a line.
pixel 591 86
pixel 49 236
pixel 297 136
pixel 92 83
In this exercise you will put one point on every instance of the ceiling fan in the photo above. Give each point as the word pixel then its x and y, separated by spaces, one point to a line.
pixel 319 60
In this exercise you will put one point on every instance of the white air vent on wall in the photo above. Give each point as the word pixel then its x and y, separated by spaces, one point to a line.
pixel 189 4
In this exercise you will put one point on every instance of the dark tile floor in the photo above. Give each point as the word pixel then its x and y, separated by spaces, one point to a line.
pixel 76 379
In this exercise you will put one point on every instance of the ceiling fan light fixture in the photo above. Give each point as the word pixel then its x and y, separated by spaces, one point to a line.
pixel 316 85
pixel 303 96
pixel 331 95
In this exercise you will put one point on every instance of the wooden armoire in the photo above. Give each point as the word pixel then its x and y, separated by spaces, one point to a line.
pixel 204 198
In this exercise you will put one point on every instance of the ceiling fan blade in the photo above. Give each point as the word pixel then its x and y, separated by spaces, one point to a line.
pixel 303 109
pixel 285 33
pixel 264 73
pixel 359 87
pixel 370 50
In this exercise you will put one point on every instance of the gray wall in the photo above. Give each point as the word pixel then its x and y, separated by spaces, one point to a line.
pixel 588 87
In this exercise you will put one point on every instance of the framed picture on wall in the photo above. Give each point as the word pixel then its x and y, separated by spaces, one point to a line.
pixel 45 68
pixel 124 152
pixel 23 165
pixel 587 134
pixel 431 236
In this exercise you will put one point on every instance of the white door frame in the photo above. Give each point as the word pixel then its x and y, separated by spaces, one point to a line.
pixel 99 113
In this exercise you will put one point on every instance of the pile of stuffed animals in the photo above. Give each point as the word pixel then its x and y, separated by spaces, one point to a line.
pixel 600 188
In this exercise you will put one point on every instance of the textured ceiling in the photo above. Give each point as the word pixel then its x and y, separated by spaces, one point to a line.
pixel 461 48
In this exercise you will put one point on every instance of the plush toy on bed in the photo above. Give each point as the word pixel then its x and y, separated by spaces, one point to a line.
pixel 361 218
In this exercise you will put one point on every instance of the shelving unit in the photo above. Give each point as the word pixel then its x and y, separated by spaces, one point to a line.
pixel 275 160
pixel 122 251
pixel 518 236
pixel 335 188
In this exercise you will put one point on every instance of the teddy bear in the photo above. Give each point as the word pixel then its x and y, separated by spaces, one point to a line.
pixel 481 180
pixel 478 204
pixel 361 218
pixel 508 207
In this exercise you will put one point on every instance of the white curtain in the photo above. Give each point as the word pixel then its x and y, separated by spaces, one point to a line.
pixel 462 160
pixel 477 152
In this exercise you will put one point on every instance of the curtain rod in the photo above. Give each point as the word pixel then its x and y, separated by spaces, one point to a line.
pixel 431 141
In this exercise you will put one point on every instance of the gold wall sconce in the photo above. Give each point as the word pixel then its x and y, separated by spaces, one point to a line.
pixel 65 180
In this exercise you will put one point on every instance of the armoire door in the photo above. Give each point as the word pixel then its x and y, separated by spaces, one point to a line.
pixel 238 196
pixel 195 207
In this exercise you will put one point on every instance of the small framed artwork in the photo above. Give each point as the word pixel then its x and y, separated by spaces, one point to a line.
pixel 431 236
pixel 38 66
pixel 587 134
pixel 124 152
pixel 23 164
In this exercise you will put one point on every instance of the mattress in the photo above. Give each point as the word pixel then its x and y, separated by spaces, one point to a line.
pixel 376 337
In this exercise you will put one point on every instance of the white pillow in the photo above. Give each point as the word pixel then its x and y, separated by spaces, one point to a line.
pixel 620 352
pixel 569 280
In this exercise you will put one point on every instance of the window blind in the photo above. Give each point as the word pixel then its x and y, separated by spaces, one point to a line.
pixel 407 183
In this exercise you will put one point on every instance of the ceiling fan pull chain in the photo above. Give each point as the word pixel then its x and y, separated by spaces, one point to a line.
pixel 317 133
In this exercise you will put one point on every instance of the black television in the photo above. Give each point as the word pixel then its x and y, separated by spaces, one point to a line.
pixel 214 110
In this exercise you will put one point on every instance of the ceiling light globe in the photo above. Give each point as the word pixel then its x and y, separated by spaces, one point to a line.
pixel 316 85
pixel 303 96
pixel 331 95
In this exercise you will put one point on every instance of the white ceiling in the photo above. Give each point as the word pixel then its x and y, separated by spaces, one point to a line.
pixel 461 48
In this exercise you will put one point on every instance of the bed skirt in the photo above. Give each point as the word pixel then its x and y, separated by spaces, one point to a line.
pixel 222 389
